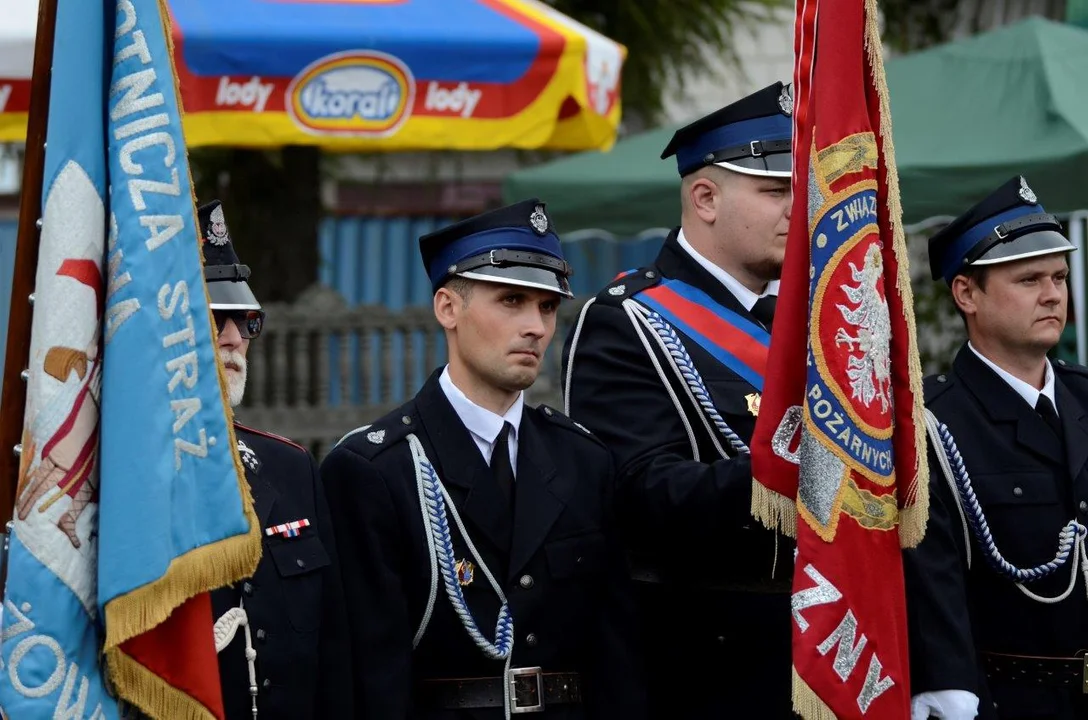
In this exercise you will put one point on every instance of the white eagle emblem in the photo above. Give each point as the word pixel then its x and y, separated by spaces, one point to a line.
pixel 870 371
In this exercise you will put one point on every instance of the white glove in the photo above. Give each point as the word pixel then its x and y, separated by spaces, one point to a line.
pixel 945 704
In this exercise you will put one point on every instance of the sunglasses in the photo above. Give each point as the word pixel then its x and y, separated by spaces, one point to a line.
pixel 249 322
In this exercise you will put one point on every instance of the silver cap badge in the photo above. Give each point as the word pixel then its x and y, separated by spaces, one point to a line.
pixel 1026 193
pixel 539 220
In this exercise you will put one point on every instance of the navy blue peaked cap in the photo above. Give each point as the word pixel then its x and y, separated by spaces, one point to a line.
pixel 224 274
pixel 1009 224
pixel 751 136
pixel 515 245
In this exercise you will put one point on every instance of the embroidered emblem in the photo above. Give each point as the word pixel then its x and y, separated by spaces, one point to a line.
pixel 217 228
pixel 539 220
pixel 288 530
pixel 249 458
pixel 785 99
pixel 753 402
pixel 1026 193
pixel 617 291
pixel 846 422
pixel 466 571
pixel 376 436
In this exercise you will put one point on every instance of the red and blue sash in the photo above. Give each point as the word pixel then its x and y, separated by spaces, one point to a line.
pixel 732 339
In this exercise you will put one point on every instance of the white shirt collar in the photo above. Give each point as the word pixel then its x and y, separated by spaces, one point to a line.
pixel 746 297
pixel 1023 389
pixel 481 422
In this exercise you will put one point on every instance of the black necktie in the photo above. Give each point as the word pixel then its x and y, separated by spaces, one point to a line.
pixel 500 464
pixel 1046 408
pixel 763 310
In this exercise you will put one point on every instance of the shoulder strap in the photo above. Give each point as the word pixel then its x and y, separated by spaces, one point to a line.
pixel 732 339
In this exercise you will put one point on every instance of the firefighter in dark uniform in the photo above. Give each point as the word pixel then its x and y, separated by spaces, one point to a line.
pixel 478 554
pixel 666 367
pixel 281 633
pixel 996 596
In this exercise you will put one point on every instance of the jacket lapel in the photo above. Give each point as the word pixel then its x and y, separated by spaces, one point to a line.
pixel 461 467
pixel 540 495
pixel 1075 427
pixel 1005 405
pixel 264 496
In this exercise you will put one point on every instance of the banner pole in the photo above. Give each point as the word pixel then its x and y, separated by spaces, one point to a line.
pixel 17 353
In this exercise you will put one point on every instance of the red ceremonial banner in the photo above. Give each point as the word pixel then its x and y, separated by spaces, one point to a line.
pixel 838 455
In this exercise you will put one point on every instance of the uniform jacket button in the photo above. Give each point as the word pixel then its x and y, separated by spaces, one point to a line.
pixel 530 639
pixel 266 684
pixel 1017 491
pixel 406 419
pixel 260 634
pixel 300 562
pixel 247 588
pixel 942 378
pixel 527 580
pixel 1083 506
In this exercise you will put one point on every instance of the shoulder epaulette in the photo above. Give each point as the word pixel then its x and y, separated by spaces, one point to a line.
pixel 628 285
pixel 558 418
pixel 271 436
pixel 371 440
pixel 936 385
pixel 1062 366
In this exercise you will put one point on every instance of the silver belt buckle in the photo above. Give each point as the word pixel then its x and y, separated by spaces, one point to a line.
pixel 532 673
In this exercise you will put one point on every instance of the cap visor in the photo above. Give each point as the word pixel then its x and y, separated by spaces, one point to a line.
pixel 232 295
pixel 773 165
pixel 1031 245
pixel 522 276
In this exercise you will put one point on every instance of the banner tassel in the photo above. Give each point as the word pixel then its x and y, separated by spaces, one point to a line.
pixel 775 511
pixel 807 703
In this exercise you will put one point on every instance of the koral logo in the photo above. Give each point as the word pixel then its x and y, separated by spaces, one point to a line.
pixel 252 94
pixel 357 93
pixel 5 93
pixel 459 99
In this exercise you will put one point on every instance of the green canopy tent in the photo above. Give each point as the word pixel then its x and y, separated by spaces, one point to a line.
pixel 965 116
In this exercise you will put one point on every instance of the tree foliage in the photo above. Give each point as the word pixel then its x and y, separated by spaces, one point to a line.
pixel 666 39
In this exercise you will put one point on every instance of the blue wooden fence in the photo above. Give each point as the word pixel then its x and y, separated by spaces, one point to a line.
pixel 375 261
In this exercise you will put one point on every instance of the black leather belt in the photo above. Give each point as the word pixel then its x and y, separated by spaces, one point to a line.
pixel 531 690
pixel 1064 672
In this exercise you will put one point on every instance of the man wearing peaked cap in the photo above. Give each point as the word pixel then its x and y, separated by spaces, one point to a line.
pixel 998 623
pixel 281 633
pixel 477 543
pixel 666 367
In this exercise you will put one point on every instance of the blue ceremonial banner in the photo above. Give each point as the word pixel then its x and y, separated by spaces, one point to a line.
pixel 131 501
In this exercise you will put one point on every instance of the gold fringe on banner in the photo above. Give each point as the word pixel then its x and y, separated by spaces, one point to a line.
pixel 775 511
pixel 200 570
pixel 915 513
pixel 160 700
pixel 807 703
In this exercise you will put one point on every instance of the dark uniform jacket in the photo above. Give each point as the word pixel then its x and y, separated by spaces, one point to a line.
pixel 715 621
pixel 294 601
pixel 1029 487
pixel 556 560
